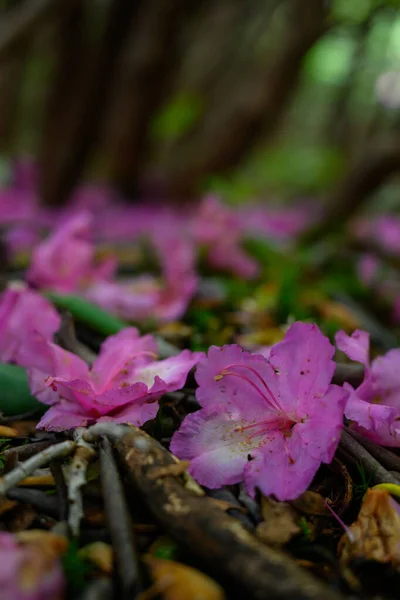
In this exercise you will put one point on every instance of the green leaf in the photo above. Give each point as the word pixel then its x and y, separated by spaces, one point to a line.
pixel 82 310
pixel 15 397
pixel 177 117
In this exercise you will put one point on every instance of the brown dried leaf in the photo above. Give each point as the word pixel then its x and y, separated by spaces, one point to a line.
pixel 48 543
pixel 170 470
pixel 100 554
pixel 311 503
pixel 280 522
pixel 8 432
pixel 176 581
pixel 375 535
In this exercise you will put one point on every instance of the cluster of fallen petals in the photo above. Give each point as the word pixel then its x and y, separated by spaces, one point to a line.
pixel 268 419
pixel 62 244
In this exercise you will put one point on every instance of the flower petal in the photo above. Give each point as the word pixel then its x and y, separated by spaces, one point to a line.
pixel 63 416
pixel 303 363
pixel 385 372
pixel 243 388
pixel 281 468
pixel 356 346
pixel 172 371
pixel 320 433
pixel 217 453
pixel 122 352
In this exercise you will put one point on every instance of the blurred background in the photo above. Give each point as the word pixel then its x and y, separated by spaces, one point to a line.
pixel 252 99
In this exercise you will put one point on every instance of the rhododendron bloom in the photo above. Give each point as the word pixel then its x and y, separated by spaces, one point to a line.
pixel 21 311
pixel 374 407
pixel 219 230
pixel 123 385
pixel 29 572
pixel 269 422
pixel 65 261
pixel 148 297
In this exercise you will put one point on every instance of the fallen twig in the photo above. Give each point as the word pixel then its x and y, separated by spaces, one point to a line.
pixel 61 488
pixel 43 503
pixel 226 550
pixel 387 459
pixel 372 467
pixel 84 454
pixel 42 458
pixel 119 523
pixel 353 374
pixel 66 338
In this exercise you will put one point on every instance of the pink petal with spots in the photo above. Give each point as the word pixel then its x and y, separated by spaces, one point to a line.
pixel 303 362
pixel 280 468
pixel 321 431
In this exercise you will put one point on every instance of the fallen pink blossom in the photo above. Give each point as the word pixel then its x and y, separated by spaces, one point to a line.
pixel 123 386
pixel 270 422
pixel 65 261
pixel 23 310
pixel 27 573
pixel 374 407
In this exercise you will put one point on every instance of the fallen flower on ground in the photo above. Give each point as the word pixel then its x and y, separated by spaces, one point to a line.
pixel 218 229
pixel 65 261
pixel 23 310
pixel 148 297
pixel 29 566
pixel 270 422
pixel 374 407
pixel 123 386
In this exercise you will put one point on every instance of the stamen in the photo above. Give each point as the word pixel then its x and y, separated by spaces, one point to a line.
pixel 347 530
pixel 255 386
pixel 264 383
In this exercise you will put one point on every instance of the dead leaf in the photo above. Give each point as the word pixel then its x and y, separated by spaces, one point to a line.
pixel 176 581
pixel 375 535
pixel 100 554
pixel 311 503
pixel 8 432
pixel 170 470
pixel 52 545
pixel 280 522
pixel 38 481
pixel 225 505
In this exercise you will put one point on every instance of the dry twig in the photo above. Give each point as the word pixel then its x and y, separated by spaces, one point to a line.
pixel 226 550
pixel 26 468
pixel 84 454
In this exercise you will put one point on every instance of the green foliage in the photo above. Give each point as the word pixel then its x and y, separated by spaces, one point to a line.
pixel 305 529
pixel 15 397
pixel 166 548
pixel 82 310
pixel 76 569
pixel 366 481
pixel 177 117
pixel 305 169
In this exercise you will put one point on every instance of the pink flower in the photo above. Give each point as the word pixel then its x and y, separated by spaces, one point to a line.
pixel 123 386
pixel 28 572
pixel 21 311
pixel 268 422
pixel 65 261
pixel 374 407
pixel 219 230
pixel 147 297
